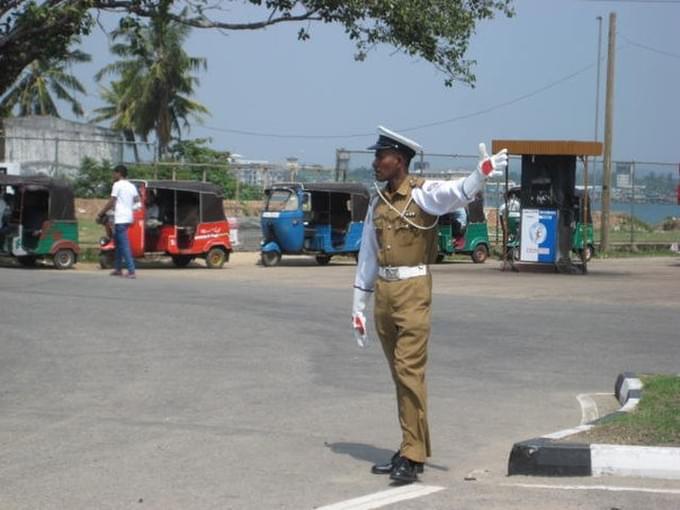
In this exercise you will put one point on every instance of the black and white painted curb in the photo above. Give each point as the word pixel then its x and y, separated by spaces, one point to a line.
pixel 546 456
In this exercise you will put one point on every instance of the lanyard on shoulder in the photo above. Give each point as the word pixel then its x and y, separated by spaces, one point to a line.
pixel 402 214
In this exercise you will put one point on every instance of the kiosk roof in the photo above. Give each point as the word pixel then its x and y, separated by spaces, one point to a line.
pixel 548 147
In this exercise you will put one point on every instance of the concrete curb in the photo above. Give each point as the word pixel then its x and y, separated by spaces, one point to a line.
pixel 544 456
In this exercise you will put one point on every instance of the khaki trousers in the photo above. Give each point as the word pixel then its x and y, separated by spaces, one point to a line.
pixel 402 319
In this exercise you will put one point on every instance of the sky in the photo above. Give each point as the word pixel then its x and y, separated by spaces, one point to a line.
pixel 536 79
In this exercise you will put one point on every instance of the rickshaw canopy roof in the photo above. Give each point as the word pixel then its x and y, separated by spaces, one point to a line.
pixel 61 206
pixel 37 181
pixel 329 187
pixel 548 147
pixel 191 186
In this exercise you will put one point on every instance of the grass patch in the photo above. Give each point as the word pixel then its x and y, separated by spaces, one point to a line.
pixel 655 421
pixel 89 232
pixel 638 251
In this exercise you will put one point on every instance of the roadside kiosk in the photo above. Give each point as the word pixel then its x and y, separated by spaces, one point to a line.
pixel 549 201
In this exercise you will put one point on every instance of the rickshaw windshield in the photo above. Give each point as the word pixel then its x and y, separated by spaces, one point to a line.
pixel 282 200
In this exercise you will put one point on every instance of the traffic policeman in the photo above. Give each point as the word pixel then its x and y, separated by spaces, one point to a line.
pixel 399 242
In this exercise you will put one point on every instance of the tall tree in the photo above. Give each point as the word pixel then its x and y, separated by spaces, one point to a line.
pixel 155 78
pixel 119 110
pixel 436 30
pixel 43 81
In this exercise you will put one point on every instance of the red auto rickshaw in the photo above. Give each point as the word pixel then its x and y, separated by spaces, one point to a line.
pixel 182 219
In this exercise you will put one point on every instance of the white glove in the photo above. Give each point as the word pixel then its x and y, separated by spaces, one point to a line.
pixel 488 164
pixel 358 318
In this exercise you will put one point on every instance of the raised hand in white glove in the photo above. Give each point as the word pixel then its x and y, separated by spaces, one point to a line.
pixel 358 318
pixel 488 164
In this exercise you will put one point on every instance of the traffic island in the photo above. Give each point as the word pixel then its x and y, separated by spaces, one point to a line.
pixel 641 439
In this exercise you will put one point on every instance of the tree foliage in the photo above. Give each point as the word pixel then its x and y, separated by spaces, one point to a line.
pixel 118 111
pixel 154 78
pixel 41 82
pixel 33 30
pixel 435 30
pixel 94 179
pixel 187 160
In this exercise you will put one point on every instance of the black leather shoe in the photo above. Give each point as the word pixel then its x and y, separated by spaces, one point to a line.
pixel 406 471
pixel 385 469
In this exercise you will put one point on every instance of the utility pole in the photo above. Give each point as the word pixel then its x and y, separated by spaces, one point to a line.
pixel 597 86
pixel 608 132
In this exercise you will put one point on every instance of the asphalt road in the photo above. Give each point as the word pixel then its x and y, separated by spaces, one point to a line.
pixel 243 388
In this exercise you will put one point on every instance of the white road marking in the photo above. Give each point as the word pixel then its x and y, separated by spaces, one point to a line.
pixel 382 498
pixel 567 432
pixel 589 410
pixel 592 488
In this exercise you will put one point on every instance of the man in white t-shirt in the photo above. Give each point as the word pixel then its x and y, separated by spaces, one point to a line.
pixel 124 197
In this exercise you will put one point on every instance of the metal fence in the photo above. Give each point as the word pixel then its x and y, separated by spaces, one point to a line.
pixel 643 194
pixel 644 207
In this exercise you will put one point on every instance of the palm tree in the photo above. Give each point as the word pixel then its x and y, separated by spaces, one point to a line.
pixel 41 82
pixel 120 112
pixel 154 79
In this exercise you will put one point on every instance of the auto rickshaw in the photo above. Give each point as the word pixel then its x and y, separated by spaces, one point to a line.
pixel 577 230
pixel 41 221
pixel 554 218
pixel 320 219
pixel 182 219
pixel 472 240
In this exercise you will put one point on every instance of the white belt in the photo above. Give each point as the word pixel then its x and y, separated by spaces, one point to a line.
pixel 401 272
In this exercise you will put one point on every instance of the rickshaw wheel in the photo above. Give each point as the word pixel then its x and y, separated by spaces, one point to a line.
pixel 106 260
pixel 215 258
pixel 480 254
pixel 270 258
pixel 27 260
pixel 589 252
pixel 323 260
pixel 182 260
pixel 64 259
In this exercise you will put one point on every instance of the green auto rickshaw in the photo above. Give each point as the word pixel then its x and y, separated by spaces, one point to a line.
pixel 39 220
pixel 577 231
pixel 580 229
pixel 471 239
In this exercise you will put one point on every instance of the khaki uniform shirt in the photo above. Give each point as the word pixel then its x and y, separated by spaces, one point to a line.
pixel 389 240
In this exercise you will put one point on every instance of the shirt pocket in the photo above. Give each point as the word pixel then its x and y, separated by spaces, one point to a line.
pixel 405 235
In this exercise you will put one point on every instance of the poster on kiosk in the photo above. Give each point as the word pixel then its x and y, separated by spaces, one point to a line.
pixel 539 235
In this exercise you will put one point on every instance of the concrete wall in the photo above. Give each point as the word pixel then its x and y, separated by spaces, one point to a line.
pixel 53 146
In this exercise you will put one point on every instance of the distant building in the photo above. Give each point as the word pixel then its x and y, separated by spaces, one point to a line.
pixel 624 175
pixel 263 173
pixel 54 146
pixel 421 166
pixel 259 173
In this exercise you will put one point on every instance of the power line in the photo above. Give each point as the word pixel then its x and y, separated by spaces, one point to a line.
pixel 412 128
pixel 638 1
pixel 649 48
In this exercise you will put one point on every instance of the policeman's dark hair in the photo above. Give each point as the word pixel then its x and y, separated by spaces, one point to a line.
pixel 407 159
pixel 121 169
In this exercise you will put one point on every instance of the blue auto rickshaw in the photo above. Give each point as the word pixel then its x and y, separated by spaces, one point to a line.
pixel 320 219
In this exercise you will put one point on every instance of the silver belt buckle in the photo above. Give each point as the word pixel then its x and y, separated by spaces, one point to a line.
pixel 391 273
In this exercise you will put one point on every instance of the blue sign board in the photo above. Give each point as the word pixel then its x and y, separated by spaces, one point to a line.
pixel 539 235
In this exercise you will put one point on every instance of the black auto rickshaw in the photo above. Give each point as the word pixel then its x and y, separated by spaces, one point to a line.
pixel 40 222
